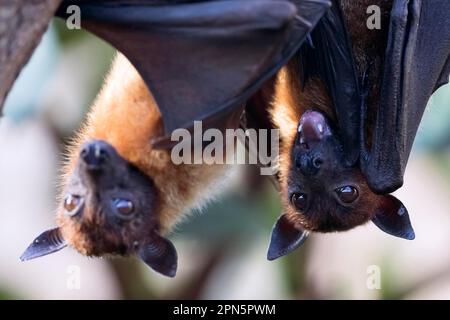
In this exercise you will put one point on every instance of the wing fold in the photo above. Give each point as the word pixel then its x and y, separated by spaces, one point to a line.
pixel 417 63
pixel 202 60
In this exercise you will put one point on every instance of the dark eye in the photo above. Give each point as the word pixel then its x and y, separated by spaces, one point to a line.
pixel 347 194
pixel 124 207
pixel 72 204
pixel 299 200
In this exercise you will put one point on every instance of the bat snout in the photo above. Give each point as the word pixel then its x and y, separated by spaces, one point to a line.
pixel 314 144
pixel 96 154
pixel 309 165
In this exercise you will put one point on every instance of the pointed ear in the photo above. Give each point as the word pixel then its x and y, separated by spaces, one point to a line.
pixel 48 242
pixel 392 217
pixel 285 238
pixel 160 255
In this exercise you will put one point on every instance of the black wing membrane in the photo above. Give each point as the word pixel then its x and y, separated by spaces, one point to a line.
pixel 416 64
pixel 202 59
pixel 329 56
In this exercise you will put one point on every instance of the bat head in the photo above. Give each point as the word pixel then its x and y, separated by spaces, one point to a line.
pixel 324 194
pixel 108 208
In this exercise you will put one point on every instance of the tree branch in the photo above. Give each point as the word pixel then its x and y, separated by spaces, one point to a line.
pixel 22 24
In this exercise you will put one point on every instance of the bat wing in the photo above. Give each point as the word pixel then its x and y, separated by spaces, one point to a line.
pixel 202 59
pixel 329 56
pixel 417 63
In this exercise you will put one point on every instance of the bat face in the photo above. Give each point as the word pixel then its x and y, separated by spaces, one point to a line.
pixel 109 208
pixel 323 194
pixel 321 188
pixel 108 205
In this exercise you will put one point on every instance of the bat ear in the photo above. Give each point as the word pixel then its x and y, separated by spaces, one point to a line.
pixel 48 242
pixel 393 218
pixel 160 255
pixel 286 237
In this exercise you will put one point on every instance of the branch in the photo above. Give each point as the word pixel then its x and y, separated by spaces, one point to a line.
pixel 22 24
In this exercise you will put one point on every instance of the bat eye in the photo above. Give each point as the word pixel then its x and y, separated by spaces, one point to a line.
pixel 72 204
pixel 124 208
pixel 347 194
pixel 299 200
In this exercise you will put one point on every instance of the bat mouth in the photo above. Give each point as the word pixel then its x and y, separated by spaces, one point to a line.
pixel 313 128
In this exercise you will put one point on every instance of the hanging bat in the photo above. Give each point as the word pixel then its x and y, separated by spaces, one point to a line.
pixel 374 86
pixel 119 195
pixel 200 60
pixel 328 194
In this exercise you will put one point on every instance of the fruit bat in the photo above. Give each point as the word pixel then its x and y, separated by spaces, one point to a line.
pixel 109 207
pixel 321 193
pixel 118 194
pixel 367 96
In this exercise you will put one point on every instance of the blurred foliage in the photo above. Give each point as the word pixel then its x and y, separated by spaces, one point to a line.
pixel 100 55
pixel 68 37
pixel 434 131
pixel 236 215
pixel 8 294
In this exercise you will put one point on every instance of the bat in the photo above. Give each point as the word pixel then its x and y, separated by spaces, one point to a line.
pixel 321 193
pixel 193 60
pixel 102 215
pixel 350 106
pixel 119 195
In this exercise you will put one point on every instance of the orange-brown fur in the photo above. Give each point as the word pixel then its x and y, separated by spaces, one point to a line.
pixel 126 116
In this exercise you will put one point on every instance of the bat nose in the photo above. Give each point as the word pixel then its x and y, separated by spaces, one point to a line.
pixel 95 154
pixel 317 162
pixel 309 166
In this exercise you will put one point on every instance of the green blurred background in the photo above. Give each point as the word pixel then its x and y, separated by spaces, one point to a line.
pixel 222 250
